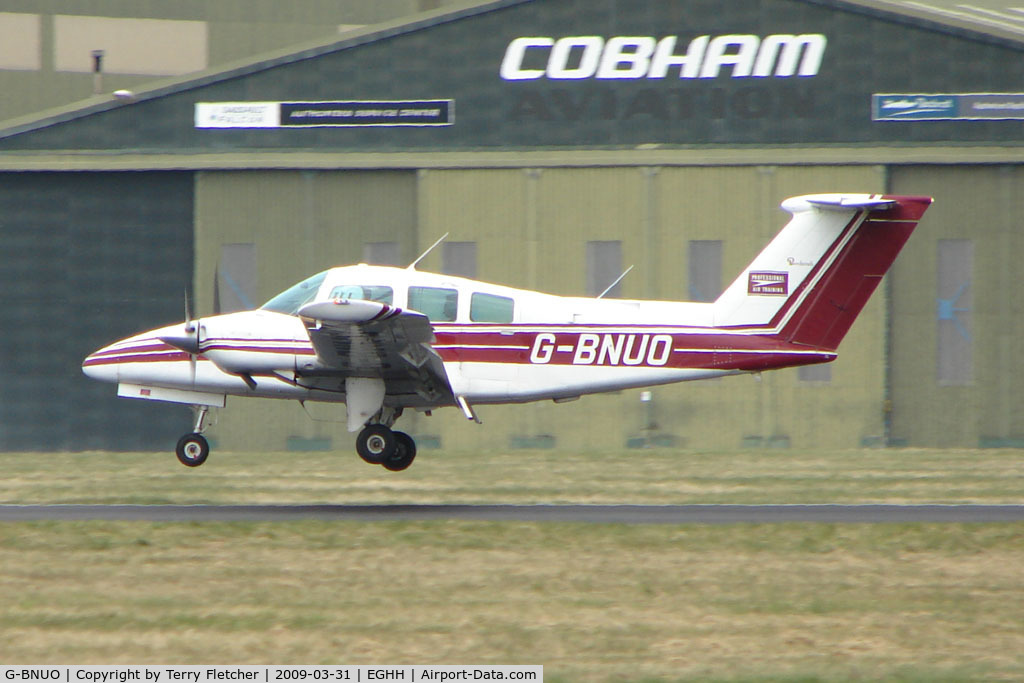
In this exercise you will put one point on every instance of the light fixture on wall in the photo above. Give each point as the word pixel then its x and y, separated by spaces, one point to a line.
pixel 97 71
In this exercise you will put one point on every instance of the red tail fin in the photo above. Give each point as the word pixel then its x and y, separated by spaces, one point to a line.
pixel 847 281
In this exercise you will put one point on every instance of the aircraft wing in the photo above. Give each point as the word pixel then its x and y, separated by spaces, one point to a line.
pixel 355 338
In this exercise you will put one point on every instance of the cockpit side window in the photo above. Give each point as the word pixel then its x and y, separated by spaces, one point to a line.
pixel 440 305
pixel 292 299
pixel 380 293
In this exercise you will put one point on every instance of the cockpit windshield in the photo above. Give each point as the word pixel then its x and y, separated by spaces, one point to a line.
pixel 292 299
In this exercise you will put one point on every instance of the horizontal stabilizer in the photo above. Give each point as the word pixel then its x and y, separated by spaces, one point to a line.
pixel 842 202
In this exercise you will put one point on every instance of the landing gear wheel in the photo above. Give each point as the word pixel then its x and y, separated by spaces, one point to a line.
pixel 375 444
pixel 192 450
pixel 405 453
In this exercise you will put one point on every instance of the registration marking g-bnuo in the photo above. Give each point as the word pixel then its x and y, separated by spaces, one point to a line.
pixel 605 349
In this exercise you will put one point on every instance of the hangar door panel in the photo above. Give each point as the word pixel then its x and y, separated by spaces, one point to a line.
pixel 958 318
pixel 88 259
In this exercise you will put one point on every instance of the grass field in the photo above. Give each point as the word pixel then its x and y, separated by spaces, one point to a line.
pixel 641 476
pixel 787 602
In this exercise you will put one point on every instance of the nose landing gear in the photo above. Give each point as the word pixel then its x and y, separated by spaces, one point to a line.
pixel 193 449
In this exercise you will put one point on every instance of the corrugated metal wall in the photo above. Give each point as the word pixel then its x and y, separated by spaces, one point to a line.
pixel 531 227
pixel 980 403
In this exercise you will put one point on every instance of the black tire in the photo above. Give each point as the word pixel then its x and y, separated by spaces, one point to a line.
pixel 192 450
pixel 375 444
pixel 405 453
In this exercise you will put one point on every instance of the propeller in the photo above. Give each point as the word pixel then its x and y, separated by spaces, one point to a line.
pixel 189 341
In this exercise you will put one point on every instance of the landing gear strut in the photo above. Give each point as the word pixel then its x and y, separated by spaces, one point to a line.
pixel 378 445
pixel 193 449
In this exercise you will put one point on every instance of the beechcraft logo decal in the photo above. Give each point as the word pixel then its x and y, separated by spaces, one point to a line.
pixel 768 284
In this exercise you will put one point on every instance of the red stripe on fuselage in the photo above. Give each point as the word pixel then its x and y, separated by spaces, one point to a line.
pixel 151 357
pixel 159 352
pixel 222 345
pixel 615 346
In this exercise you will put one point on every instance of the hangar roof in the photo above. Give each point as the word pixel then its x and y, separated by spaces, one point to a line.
pixel 978 46
pixel 980 14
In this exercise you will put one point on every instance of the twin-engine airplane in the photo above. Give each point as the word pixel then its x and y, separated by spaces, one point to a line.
pixel 383 339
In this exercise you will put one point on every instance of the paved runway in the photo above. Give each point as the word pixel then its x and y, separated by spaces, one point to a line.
pixel 621 514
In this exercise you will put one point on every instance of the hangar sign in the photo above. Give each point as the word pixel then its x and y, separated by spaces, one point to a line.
pixel 636 57
pixel 349 113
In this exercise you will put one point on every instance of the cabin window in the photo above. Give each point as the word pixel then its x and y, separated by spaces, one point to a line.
pixel 380 293
pixel 440 305
pixel 293 298
pixel 488 308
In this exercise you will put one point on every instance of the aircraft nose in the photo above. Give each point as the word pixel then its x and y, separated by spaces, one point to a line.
pixel 101 364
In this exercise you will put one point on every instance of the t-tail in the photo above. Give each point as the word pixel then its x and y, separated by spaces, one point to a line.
pixel 810 283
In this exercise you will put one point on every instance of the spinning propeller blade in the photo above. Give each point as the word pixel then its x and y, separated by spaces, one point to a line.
pixel 189 341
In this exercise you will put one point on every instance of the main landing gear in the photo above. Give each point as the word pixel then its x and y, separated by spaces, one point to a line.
pixel 193 449
pixel 378 445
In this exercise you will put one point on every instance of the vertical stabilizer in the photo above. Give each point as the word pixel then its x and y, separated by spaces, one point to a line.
pixel 813 279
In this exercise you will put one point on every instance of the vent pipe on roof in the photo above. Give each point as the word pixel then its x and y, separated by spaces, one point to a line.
pixel 97 72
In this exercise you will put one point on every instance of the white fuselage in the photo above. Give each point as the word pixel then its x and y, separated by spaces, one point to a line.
pixel 498 344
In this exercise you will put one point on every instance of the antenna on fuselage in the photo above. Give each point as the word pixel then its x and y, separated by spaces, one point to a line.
pixel 412 266
pixel 617 281
pixel 188 314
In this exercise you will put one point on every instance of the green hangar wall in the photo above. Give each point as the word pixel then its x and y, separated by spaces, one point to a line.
pixel 86 257
pixel 661 134
pixel 956 319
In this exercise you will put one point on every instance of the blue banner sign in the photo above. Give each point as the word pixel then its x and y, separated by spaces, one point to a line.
pixel 948 107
